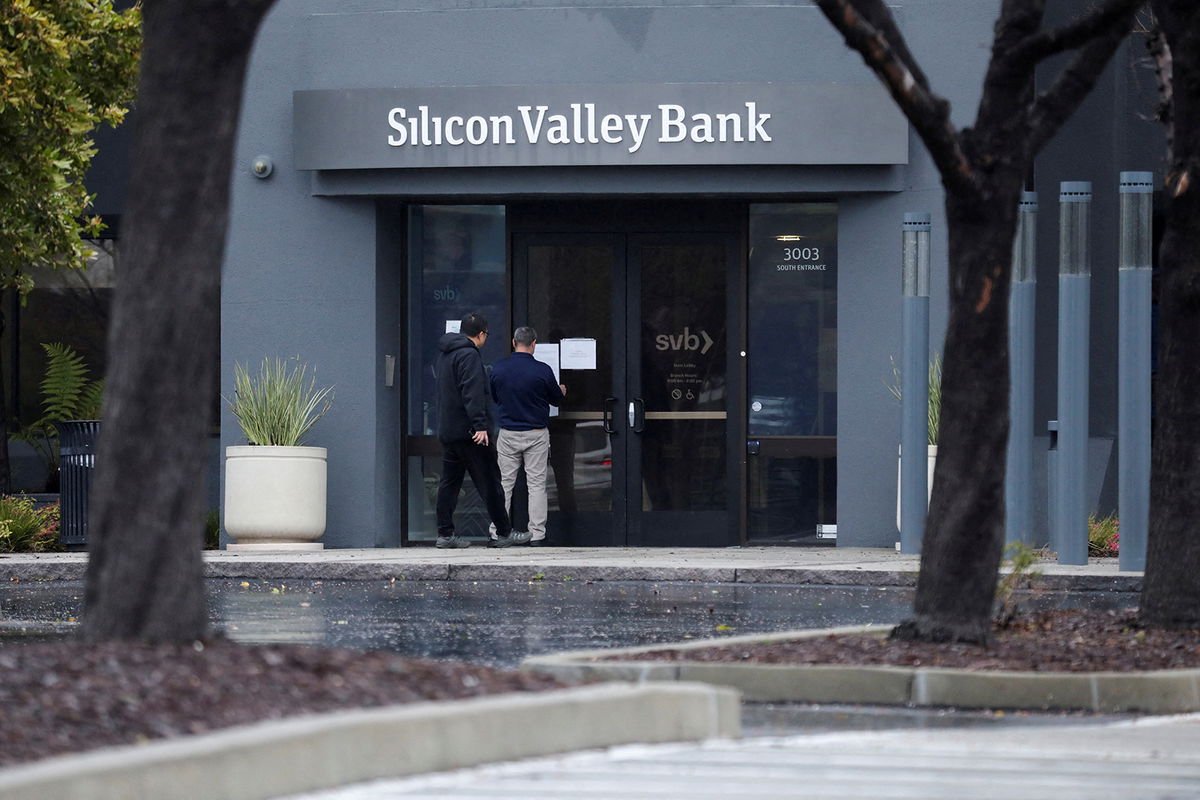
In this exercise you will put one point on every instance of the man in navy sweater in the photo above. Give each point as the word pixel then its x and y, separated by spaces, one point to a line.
pixel 524 389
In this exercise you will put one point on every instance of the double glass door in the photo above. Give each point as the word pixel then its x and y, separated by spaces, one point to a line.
pixel 642 452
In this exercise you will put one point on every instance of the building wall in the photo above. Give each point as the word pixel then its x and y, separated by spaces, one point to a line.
pixel 308 271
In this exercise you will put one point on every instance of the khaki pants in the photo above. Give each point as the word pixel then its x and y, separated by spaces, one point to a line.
pixel 533 449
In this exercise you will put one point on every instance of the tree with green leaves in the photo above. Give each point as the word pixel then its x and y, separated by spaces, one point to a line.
pixel 66 67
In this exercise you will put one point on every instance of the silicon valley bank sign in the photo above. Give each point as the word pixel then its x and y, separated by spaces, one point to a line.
pixel 618 124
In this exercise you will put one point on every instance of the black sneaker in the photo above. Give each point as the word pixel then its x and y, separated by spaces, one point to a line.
pixel 516 537
pixel 543 542
pixel 450 542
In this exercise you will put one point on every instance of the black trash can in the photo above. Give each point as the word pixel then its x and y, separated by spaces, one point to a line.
pixel 77 459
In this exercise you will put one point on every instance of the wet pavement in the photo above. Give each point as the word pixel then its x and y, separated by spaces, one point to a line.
pixel 501 622
pixel 497 623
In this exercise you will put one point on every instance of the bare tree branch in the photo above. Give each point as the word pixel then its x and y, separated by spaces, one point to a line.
pixel 1160 52
pixel 1008 85
pixel 1053 106
pixel 1076 33
pixel 883 49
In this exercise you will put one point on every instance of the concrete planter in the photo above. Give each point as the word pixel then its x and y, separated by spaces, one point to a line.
pixel 275 497
pixel 932 455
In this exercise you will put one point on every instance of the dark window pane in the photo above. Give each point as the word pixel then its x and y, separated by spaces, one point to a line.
pixel 456 266
pixel 683 347
pixel 793 320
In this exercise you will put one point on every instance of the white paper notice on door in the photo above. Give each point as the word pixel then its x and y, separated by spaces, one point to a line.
pixel 453 326
pixel 548 354
pixel 577 354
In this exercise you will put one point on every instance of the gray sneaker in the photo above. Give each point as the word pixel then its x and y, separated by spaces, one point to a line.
pixel 450 542
pixel 516 537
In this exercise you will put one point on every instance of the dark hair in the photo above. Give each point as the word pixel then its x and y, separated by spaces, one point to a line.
pixel 524 336
pixel 473 324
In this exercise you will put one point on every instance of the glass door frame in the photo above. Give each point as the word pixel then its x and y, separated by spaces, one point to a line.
pixel 649 528
pixel 590 528
pixel 629 524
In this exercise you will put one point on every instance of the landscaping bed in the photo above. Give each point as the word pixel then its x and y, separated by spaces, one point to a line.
pixel 1069 640
pixel 67 696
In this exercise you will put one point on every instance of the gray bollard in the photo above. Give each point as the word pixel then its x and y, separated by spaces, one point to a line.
pixel 1133 399
pixel 1018 479
pixel 1053 501
pixel 1074 301
pixel 914 382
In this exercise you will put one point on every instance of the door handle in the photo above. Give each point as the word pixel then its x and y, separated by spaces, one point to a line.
pixel 637 415
pixel 632 415
pixel 608 415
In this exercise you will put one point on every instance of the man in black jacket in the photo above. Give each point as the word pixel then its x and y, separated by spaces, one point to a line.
pixel 464 426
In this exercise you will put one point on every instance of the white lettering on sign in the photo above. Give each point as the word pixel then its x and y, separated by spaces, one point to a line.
pixel 684 341
pixel 677 125
pixel 580 125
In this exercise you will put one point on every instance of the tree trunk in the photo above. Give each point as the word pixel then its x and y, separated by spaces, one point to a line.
pixel 1171 592
pixel 145 574
pixel 964 541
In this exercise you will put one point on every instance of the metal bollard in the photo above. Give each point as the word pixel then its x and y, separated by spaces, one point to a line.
pixel 1018 480
pixel 1074 319
pixel 1133 397
pixel 914 380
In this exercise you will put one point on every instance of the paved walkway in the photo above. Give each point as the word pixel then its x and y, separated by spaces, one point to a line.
pixel 1149 758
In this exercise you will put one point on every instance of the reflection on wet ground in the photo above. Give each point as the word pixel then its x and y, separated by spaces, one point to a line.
pixel 499 623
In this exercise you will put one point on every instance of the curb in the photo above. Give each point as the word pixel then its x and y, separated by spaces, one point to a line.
pixel 73 568
pixel 310 753
pixel 1155 692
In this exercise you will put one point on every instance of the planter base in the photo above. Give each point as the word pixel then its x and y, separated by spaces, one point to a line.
pixel 291 547
pixel 275 497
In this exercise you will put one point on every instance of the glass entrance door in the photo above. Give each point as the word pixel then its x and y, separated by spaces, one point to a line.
pixel 641 450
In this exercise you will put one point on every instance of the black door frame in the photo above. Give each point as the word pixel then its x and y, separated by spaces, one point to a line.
pixel 588 528
pixel 626 225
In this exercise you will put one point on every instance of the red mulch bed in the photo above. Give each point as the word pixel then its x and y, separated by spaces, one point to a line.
pixel 68 696
pixel 1053 641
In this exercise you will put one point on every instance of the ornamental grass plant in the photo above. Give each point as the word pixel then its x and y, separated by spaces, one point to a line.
pixel 935 393
pixel 1104 536
pixel 279 404
pixel 26 527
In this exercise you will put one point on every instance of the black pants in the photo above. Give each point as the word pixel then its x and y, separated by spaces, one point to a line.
pixel 463 457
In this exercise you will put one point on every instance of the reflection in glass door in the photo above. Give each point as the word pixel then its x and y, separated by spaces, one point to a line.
pixel 568 294
pixel 678 320
pixel 640 451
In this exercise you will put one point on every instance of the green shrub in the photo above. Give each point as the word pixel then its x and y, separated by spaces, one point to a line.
pixel 277 406
pixel 1021 560
pixel 25 528
pixel 1104 536
pixel 67 394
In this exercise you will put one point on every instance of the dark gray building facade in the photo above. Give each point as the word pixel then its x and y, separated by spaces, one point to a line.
pixel 696 205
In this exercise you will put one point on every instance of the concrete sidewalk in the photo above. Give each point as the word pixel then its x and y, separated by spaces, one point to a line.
pixel 842 566
pixel 1147 758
